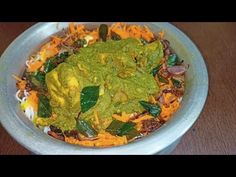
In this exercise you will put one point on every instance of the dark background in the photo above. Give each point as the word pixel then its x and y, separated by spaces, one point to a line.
pixel 215 130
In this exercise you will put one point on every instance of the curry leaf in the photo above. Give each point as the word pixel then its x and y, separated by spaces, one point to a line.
pixel 155 70
pixel 89 97
pixel 40 76
pixel 53 62
pixel 176 83
pixel 103 31
pixel 49 66
pixel 162 79
pixel 126 128
pixel 114 127
pixel 120 128
pixel 172 60
pixel 37 80
pixel 44 108
pixel 153 109
pixel 63 55
pixel 85 128
pixel 115 36
pixel 133 133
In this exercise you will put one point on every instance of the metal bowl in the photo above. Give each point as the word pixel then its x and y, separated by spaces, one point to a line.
pixel 160 142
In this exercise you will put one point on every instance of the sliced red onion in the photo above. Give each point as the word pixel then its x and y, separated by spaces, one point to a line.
pixel 177 70
pixel 161 99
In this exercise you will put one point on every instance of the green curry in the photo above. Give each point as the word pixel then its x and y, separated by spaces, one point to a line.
pixel 121 69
